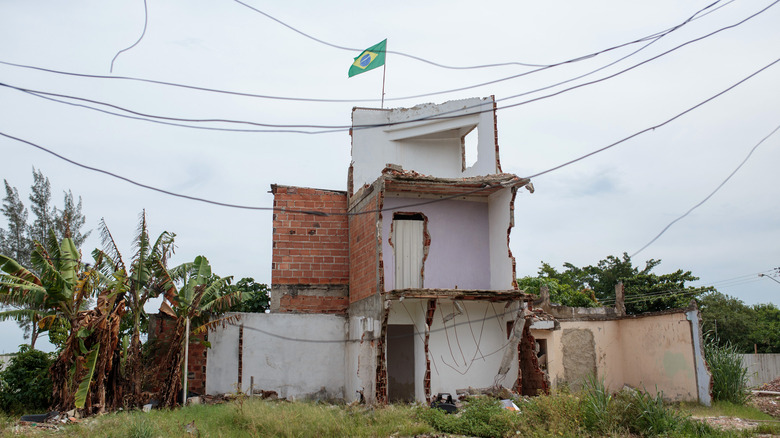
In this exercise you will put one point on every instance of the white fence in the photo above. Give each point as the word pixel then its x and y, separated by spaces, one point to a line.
pixel 762 368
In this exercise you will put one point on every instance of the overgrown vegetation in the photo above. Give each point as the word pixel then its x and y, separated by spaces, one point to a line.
pixel 729 376
pixel 25 386
pixel 628 413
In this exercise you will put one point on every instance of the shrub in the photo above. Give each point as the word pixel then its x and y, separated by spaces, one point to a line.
pixel 480 416
pixel 729 377
pixel 25 386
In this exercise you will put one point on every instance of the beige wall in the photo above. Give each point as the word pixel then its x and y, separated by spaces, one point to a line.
pixel 649 352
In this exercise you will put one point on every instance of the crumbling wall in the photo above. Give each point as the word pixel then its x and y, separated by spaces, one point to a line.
pixel 579 356
pixel 431 147
pixel 310 266
pixel 364 247
pixel 650 351
pixel 501 221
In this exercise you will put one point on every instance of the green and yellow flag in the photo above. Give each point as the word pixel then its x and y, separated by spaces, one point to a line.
pixel 370 59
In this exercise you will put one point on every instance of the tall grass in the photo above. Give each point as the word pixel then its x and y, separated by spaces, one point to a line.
pixel 729 376
pixel 596 403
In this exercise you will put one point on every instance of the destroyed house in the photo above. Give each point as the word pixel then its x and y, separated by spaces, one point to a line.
pixel 403 286
pixel 415 254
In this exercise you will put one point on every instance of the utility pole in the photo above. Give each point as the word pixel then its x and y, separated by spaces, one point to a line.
pixel 769 277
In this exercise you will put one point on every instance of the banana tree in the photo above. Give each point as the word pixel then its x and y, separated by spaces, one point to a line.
pixel 137 285
pixel 62 292
pixel 193 298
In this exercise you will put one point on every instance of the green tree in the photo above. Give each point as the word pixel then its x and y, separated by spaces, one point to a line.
pixel 253 297
pixel 645 291
pixel 563 294
pixel 61 293
pixel 137 285
pixel 746 328
pixel 195 298
pixel 17 242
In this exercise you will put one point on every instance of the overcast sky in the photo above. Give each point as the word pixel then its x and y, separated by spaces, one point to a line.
pixel 607 204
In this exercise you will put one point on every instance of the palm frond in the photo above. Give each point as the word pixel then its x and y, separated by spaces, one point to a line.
pixel 13 268
pixel 18 314
pixel 110 248
pixel 219 322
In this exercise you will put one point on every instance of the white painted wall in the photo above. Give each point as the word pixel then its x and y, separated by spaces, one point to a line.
pixel 499 220
pixel 458 255
pixel 465 351
pixel 431 147
pixel 295 355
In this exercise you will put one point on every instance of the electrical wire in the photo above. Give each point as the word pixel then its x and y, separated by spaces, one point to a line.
pixel 317 213
pixel 440 116
pixel 146 21
pixel 503 64
pixel 652 128
pixel 710 195
pixel 303 99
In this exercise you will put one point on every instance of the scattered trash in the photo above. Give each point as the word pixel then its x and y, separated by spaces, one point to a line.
pixel 509 404
pixel 444 402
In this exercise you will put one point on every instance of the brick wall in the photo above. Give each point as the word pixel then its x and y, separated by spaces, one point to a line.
pixel 161 327
pixel 309 251
pixel 364 247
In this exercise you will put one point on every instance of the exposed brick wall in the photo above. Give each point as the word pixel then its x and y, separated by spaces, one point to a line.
pixel 309 250
pixel 313 304
pixel 364 250
pixel 161 327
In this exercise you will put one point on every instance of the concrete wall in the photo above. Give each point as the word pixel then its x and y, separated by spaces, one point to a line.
pixel 458 254
pixel 298 356
pixel 643 352
pixel 431 147
pixel 465 351
pixel 761 368
pixel 501 220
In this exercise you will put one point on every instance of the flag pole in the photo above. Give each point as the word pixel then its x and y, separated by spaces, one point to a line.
pixel 384 70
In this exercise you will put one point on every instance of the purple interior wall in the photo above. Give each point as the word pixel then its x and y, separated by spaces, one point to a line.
pixel 459 253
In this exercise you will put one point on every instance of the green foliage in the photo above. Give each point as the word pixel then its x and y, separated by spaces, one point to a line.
pixel 729 376
pixel 563 294
pixel 740 325
pixel 25 385
pixel 597 415
pixel 254 296
pixel 18 241
pixel 83 390
pixel 480 416
pixel 645 291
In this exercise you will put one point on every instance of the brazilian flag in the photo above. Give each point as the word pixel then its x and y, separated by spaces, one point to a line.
pixel 370 59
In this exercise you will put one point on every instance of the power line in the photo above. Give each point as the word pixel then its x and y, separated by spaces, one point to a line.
pixel 223 204
pixel 146 21
pixel 444 115
pixel 710 195
pixel 655 126
pixel 524 64
pixel 303 99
